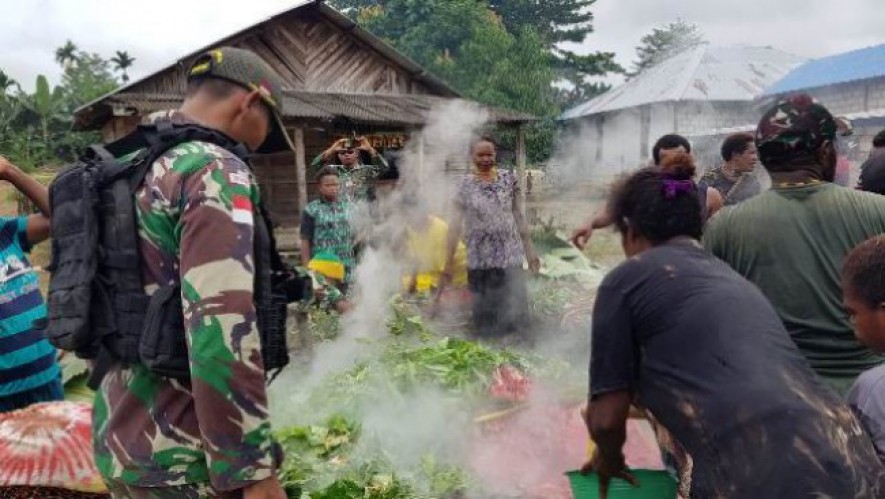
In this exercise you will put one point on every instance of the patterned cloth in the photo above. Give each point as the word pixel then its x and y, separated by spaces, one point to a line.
pixel 27 360
pixel 356 182
pixel 190 491
pixel 795 126
pixel 325 294
pixel 195 220
pixel 491 233
pixel 733 191
pixel 327 226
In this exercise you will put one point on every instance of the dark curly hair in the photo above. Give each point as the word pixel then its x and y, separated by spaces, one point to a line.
pixel 864 271
pixel 659 202
pixel 326 171
pixel 669 141
pixel 736 143
pixel 879 139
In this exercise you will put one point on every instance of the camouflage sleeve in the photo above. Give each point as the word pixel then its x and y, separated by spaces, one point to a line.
pixel 330 294
pixel 318 162
pixel 216 259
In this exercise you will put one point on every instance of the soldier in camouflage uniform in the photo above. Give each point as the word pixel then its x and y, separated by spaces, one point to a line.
pixel 210 437
pixel 345 157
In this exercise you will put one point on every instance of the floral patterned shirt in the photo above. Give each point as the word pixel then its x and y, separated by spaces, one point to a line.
pixel 491 231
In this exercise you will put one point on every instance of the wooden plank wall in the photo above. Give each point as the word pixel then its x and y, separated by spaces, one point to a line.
pixel 312 54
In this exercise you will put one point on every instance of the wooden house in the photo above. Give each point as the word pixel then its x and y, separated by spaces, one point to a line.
pixel 340 79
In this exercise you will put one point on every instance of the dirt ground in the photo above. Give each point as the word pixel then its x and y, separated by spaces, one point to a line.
pixel 565 211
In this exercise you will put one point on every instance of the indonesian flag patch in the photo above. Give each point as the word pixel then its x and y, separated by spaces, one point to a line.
pixel 242 210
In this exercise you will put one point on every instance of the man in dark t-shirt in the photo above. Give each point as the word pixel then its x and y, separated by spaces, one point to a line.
pixel 734 179
pixel 791 240
pixel 703 351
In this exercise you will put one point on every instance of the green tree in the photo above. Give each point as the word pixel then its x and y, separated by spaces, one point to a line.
pixel 558 22
pixel 66 54
pixel 6 83
pixel 35 128
pixel 47 106
pixel 665 42
pixel 122 61
pixel 88 79
pixel 467 44
pixel 553 22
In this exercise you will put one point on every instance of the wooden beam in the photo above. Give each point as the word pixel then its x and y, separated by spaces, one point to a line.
pixel 300 169
pixel 418 137
pixel 520 163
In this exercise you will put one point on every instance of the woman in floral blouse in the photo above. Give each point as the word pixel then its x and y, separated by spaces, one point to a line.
pixel 489 211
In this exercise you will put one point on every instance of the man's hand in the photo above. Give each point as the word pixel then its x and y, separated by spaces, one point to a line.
pixel 582 234
pixel 608 469
pixel 365 146
pixel 265 489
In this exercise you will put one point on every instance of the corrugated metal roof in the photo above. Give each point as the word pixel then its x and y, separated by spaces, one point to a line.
pixel 378 109
pixel 705 73
pixel 841 68
pixel 855 118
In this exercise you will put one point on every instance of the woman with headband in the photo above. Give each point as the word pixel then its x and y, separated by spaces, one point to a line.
pixel 679 334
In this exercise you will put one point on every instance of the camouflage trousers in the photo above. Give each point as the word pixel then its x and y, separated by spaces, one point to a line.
pixel 120 490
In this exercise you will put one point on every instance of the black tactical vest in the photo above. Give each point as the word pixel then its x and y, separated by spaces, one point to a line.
pixel 97 304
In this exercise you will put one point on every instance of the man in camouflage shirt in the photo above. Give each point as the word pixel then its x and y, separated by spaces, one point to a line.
pixel 211 436
pixel 345 157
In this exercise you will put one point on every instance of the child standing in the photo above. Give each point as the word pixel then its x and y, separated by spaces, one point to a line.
pixel 863 288
pixel 29 372
pixel 325 225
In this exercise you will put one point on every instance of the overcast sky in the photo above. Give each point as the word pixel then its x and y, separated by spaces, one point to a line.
pixel 156 32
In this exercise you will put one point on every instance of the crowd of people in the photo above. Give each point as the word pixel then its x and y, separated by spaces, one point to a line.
pixel 747 326
pixel 751 337
pixel 200 231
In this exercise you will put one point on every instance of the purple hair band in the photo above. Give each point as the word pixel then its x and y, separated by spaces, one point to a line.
pixel 673 188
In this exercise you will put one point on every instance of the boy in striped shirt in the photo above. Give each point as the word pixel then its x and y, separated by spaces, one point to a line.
pixel 29 372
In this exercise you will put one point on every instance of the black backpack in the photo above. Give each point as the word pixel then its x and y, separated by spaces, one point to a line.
pixel 97 304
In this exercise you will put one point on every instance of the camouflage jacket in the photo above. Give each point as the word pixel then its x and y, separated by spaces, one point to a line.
pixel 356 182
pixel 195 222
pixel 325 294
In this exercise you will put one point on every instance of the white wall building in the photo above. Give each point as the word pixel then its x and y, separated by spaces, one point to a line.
pixel 700 90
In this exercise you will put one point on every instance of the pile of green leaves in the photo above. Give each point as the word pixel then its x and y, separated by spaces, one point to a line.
pixel 320 464
pixel 459 366
pixel 324 325
pixel 74 375
pixel 406 319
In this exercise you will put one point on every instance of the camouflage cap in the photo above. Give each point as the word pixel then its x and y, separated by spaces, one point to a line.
pixel 795 126
pixel 250 71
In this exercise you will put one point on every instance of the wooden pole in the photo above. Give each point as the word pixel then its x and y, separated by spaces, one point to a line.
pixel 300 169
pixel 418 135
pixel 520 164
